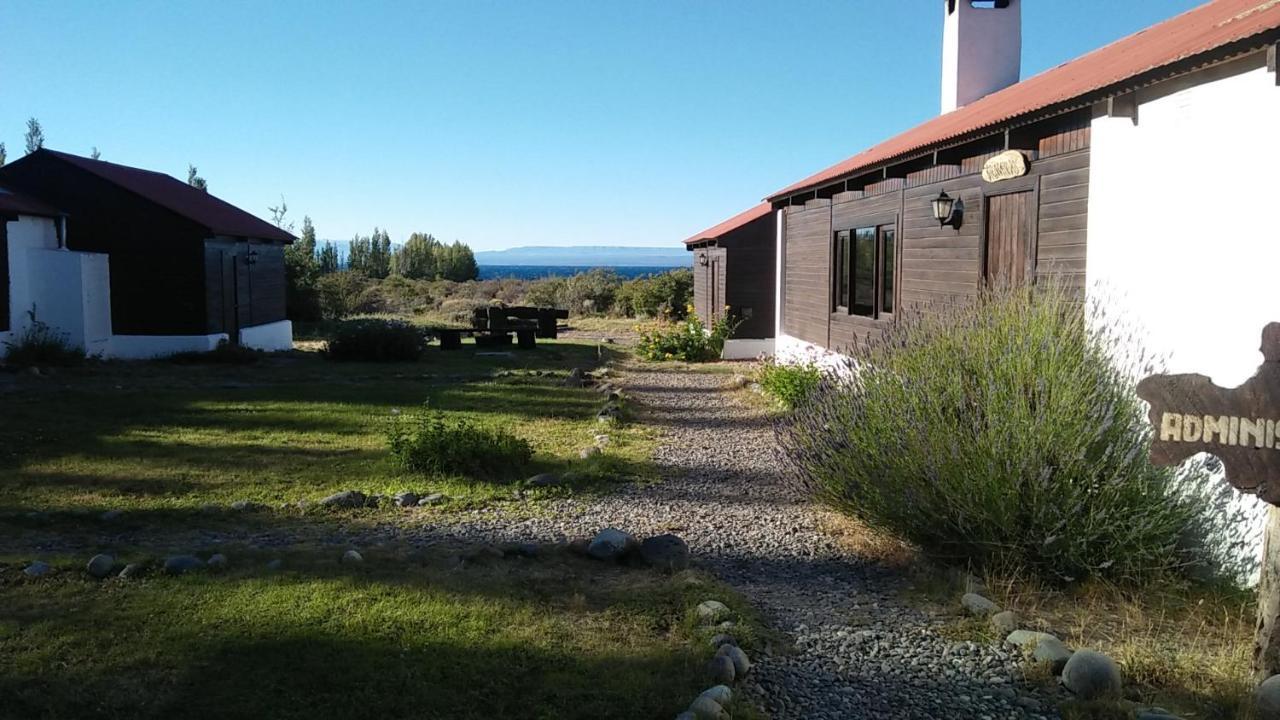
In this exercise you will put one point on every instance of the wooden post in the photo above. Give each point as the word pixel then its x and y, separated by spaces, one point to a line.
pixel 1266 640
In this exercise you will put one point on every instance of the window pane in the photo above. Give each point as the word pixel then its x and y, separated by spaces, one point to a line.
pixel 864 271
pixel 888 234
pixel 842 268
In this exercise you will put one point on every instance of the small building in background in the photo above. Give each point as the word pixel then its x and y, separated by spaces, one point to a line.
pixel 130 263
pixel 734 275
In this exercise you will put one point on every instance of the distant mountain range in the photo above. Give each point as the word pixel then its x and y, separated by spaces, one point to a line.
pixel 586 256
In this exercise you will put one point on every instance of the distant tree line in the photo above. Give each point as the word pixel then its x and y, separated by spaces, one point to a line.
pixel 316 274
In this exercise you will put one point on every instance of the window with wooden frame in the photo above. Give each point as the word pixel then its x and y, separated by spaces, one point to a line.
pixel 865 260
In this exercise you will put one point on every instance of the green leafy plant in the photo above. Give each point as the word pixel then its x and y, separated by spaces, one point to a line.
pixel 1006 432
pixel 40 345
pixel 790 385
pixel 688 340
pixel 436 443
pixel 371 340
pixel 654 296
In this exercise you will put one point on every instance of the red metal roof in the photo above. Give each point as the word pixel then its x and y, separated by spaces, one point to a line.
pixel 219 216
pixel 1196 31
pixel 731 224
pixel 15 203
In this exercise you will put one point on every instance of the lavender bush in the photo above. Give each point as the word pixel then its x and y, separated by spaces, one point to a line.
pixel 1005 431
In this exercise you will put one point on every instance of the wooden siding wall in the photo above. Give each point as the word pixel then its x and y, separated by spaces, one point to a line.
pixel 807 279
pixel 750 279
pixel 702 291
pixel 4 275
pixel 154 255
pixel 937 266
pixel 260 287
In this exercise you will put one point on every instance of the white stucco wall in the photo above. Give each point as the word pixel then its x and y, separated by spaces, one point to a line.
pixel 272 337
pixel 145 347
pixel 25 234
pixel 1184 246
pixel 747 348
pixel 981 52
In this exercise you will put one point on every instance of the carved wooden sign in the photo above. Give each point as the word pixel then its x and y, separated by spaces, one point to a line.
pixel 1007 165
pixel 1241 426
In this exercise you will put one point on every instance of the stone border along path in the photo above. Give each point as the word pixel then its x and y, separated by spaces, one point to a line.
pixel 859 650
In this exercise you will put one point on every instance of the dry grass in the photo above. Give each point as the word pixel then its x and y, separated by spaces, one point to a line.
pixel 855 537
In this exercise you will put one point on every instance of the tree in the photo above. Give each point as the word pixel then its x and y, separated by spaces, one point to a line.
pixel 302 271
pixel 371 256
pixel 327 259
pixel 416 259
pixel 194 179
pixel 278 214
pixel 95 154
pixel 35 135
pixel 3 155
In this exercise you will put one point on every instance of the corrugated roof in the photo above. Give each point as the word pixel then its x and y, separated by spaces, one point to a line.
pixel 731 224
pixel 1192 33
pixel 219 216
pixel 15 203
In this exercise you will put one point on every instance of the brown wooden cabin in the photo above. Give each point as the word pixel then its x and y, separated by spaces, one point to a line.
pixel 860 242
pixel 734 266
pixel 182 262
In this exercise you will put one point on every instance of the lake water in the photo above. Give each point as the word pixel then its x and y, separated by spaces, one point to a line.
pixel 533 272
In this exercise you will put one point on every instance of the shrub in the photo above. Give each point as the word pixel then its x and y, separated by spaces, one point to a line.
pixel 344 293
pixel 376 341
pixel 1005 432
pixel 40 345
pixel 663 295
pixel 687 340
pixel 790 385
pixel 224 354
pixel 441 445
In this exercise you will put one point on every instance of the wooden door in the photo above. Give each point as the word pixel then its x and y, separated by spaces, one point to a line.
pixel 717 302
pixel 1008 251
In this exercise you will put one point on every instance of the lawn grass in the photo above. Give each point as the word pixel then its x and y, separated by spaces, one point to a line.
pixel 413 631
pixel 159 436
pixel 396 636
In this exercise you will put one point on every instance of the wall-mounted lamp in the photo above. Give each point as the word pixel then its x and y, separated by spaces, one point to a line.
pixel 948 210
pixel 702 259
pixel 251 258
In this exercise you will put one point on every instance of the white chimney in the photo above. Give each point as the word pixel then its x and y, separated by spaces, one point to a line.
pixel 981 49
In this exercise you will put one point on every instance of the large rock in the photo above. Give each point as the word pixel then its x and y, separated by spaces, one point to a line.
pixel 720 670
pixel 352 557
pixel 100 566
pixel 1005 622
pixel 1052 652
pixel 345 499
pixel 713 611
pixel 587 452
pixel 720 694
pixel 610 544
pixel 978 606
pixel 37 569
pixel 665 552
pixel 543 480
pixel 1267 699
pixel 704 708
pixel 406 499
pixel 741 663
pixel 1091 675
pixel 217 562
pixel 722 639
pixel 179 564
pixel 1026 639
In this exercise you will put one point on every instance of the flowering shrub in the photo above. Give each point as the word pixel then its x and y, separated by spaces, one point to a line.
pixel 688 340
pixel 440 445
pixel 1006 432
pixel 40 345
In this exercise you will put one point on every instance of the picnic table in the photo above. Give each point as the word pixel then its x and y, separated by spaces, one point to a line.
pixel 494 326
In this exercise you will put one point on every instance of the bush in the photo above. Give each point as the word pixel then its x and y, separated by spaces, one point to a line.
pixel 376 341
pixel 345 293
pixel 687 340
pixel 664 295
pixel 441 445
pixel 39 345
pixel 1005 432
pixel 790 385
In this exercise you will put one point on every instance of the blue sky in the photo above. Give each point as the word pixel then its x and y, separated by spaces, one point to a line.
pixel 498 123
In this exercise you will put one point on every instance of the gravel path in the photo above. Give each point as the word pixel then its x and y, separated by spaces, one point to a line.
pixel 859 651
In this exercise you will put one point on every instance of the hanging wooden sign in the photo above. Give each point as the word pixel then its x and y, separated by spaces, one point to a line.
pixel 1007 165
pixel 1241 426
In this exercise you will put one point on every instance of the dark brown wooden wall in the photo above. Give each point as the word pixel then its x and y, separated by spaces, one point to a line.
pixel 709 304
pixel 5 307
pixel 937 266
pixel 260 287
pixel 751 280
